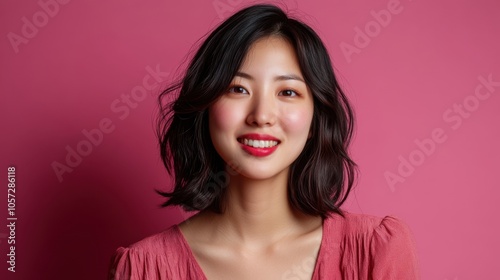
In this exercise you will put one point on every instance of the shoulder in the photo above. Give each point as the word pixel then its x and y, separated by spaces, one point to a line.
pixel 157 254
pixel 375 231
pixel 383 246
pixel 356 223
pixel 165 242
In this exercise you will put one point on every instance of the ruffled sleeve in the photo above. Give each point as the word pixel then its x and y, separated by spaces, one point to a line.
pixel 163 256
pixel 393 251
pixel 134 264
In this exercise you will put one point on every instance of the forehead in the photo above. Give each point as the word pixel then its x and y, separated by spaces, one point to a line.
pixel 271 52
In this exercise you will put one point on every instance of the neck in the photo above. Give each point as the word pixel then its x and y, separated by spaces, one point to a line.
pixel 258 211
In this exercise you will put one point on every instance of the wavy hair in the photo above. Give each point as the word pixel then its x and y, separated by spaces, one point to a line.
pixel 322 176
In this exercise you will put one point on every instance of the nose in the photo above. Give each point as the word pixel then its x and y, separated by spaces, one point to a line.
pixel 263 111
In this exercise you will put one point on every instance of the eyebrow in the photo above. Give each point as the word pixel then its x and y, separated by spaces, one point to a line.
pixel 277 78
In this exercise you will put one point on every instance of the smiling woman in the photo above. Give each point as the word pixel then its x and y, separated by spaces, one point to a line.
pixel 264 119
pixel 260 104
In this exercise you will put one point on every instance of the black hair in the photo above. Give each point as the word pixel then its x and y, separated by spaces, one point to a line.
pixel 322 176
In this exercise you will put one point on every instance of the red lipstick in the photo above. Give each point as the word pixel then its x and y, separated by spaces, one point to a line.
pixel 259 145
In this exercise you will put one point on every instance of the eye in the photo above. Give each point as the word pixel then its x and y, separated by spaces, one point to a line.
pixel 237 90
pixel 288 93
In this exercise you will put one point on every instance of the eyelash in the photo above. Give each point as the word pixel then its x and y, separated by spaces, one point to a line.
pixel 290 90
pixel 236 87
pixel 232 88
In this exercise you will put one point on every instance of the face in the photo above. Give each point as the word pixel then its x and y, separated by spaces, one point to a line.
pixel 262 122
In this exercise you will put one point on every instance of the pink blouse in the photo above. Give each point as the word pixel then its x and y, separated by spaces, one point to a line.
pixel 357 247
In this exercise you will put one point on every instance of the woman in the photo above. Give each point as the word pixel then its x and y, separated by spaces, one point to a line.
pixel 257 141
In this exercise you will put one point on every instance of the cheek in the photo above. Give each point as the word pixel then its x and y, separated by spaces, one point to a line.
pixel 223 117
pixel 298 120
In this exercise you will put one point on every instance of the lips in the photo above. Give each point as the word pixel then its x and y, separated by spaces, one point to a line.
pixel 259 145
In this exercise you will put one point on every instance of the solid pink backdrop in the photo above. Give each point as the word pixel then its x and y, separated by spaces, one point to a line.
pixel 81 77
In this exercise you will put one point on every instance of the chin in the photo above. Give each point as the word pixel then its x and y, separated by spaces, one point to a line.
pixel 259 174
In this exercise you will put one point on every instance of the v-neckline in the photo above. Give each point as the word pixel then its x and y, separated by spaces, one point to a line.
pixel 201 272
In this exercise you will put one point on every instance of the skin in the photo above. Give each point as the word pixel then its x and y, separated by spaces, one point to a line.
pixel 259 235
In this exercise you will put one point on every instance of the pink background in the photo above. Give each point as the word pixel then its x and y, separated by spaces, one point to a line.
pixel 403 77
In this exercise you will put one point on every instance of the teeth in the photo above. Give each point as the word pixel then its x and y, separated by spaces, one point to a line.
pixel 260 143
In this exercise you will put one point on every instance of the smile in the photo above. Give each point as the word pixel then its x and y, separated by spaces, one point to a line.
pixel 259 145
